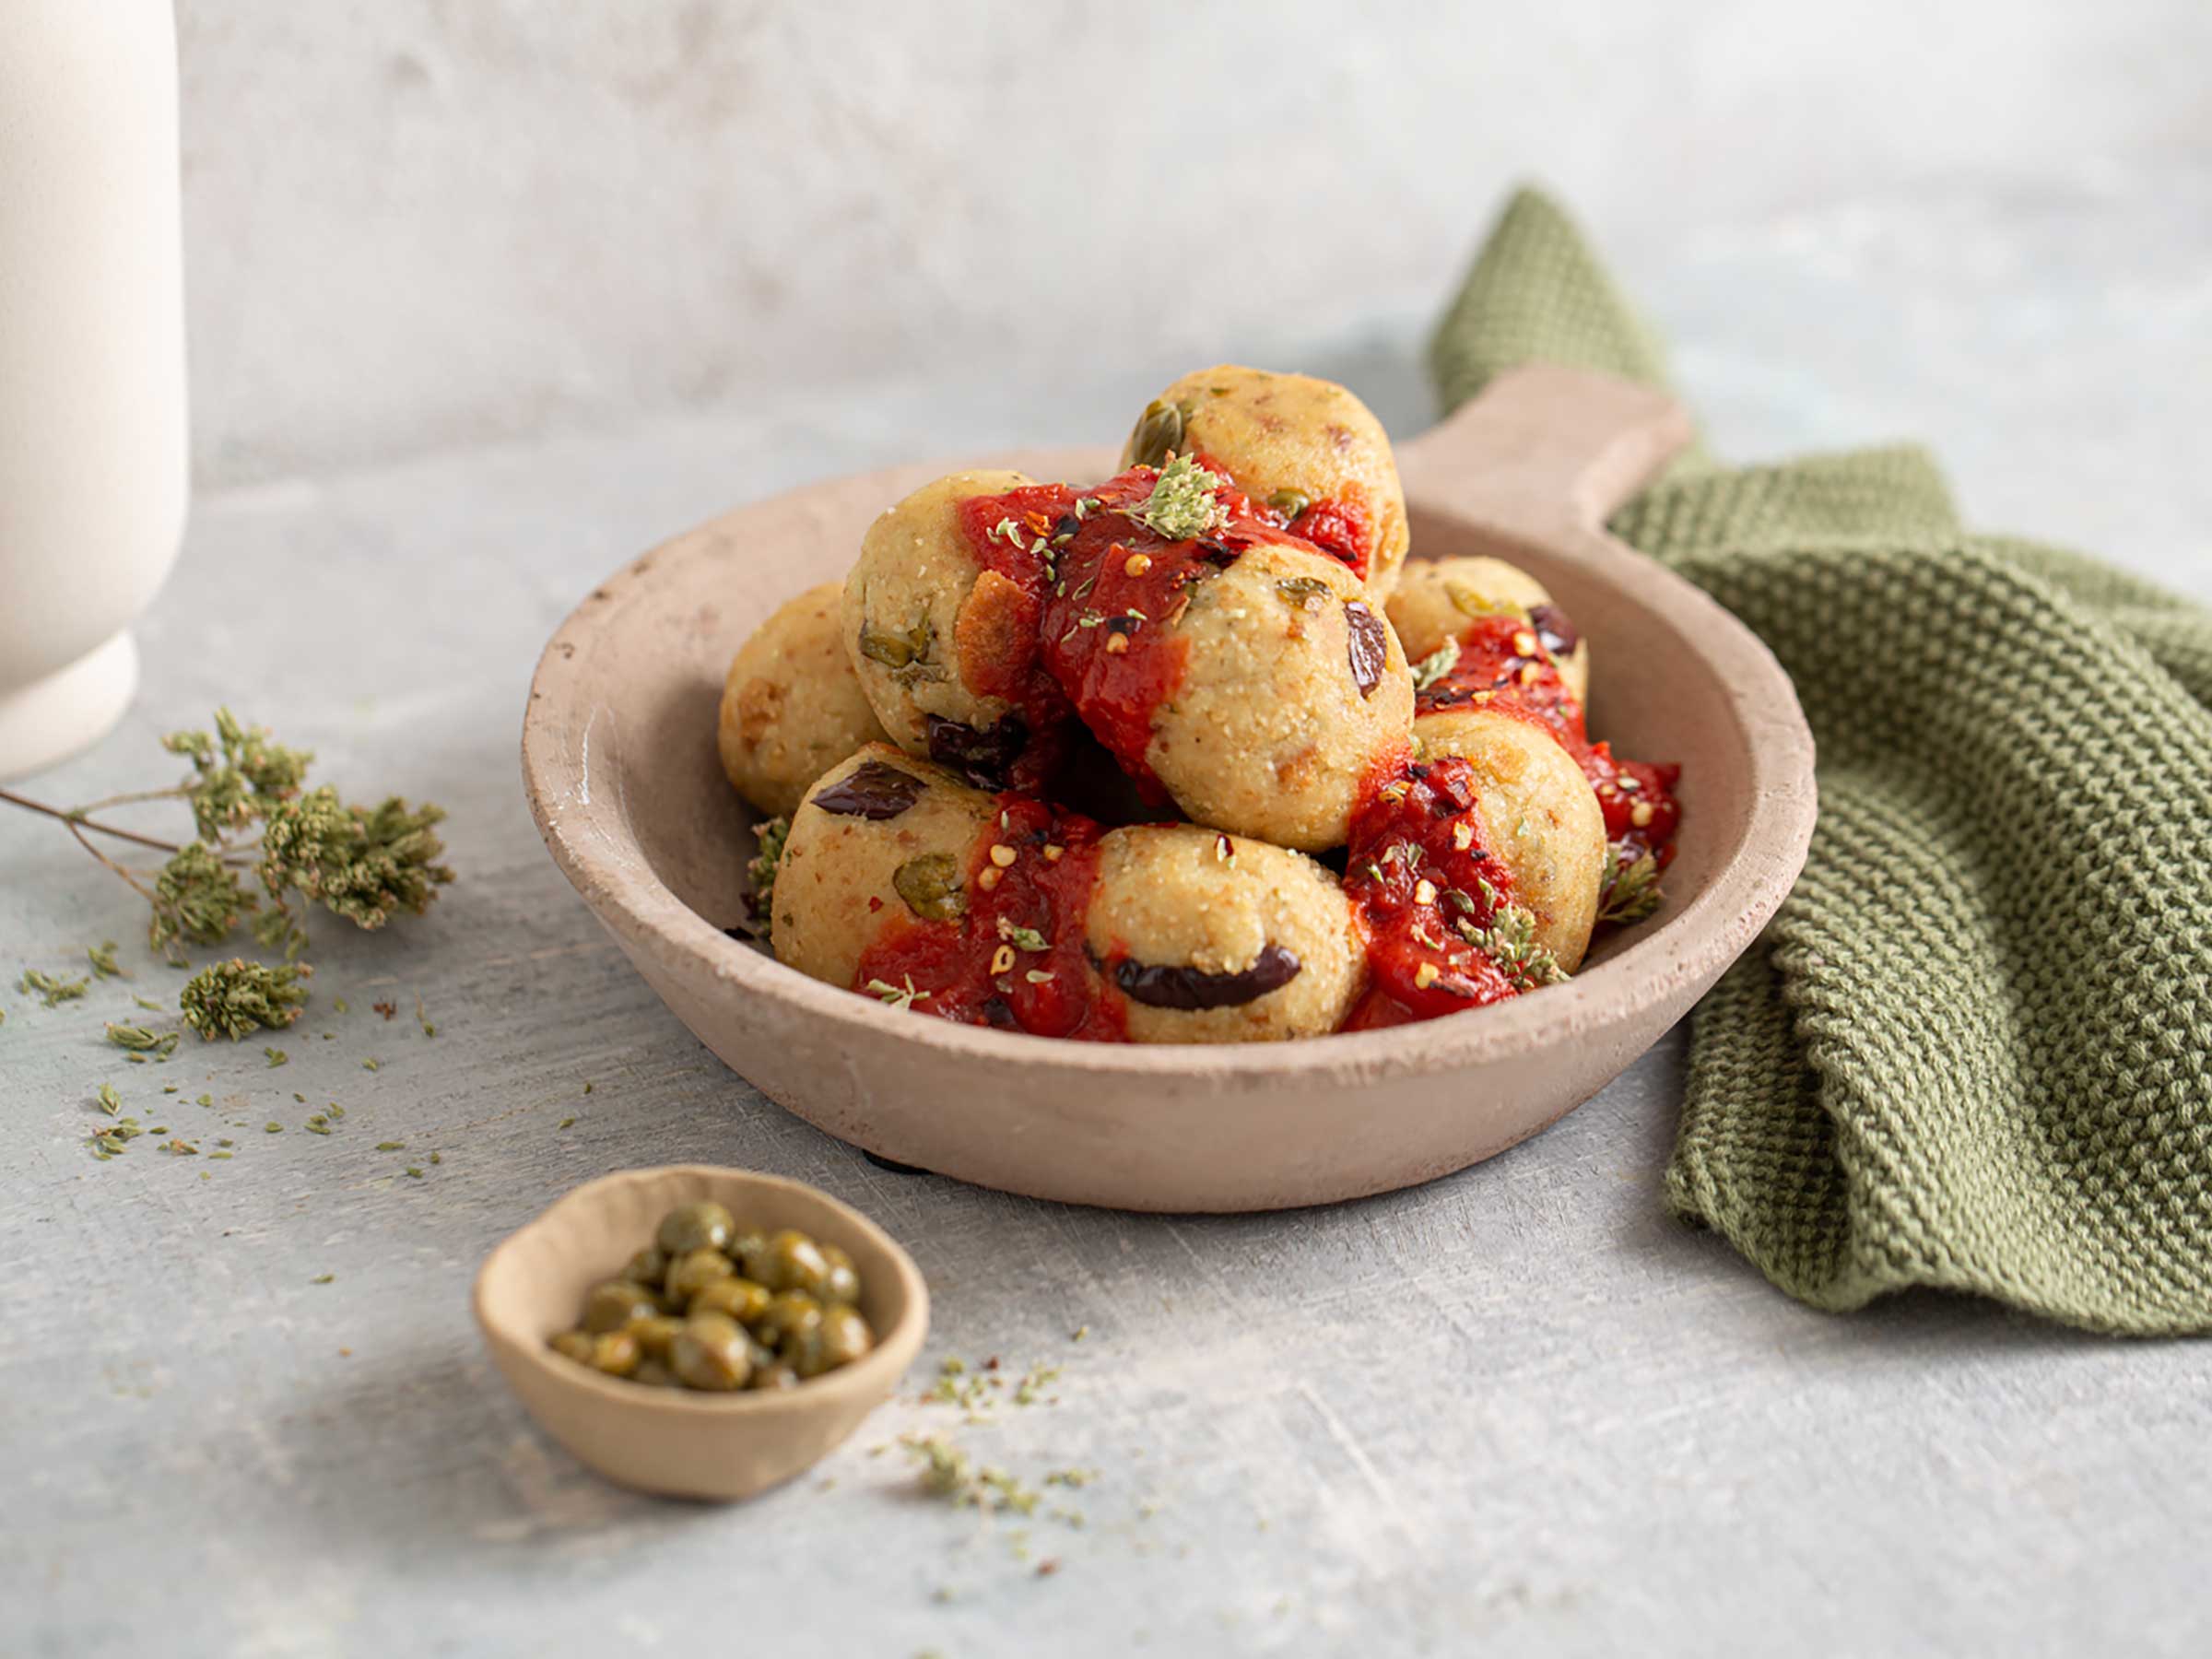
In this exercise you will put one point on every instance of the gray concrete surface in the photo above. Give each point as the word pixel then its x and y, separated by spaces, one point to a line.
pixel 1518 1411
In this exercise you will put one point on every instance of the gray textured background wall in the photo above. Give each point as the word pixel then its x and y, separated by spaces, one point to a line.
pixel 420 222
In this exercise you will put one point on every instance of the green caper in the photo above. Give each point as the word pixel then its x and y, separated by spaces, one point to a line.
pixel 571 1345
pixel 1290 502
pixel 933 886
pixel 654 1373
pixel 693 1271
pixel 1157 435
pixel 791 1316
pixel 613 1305
pixel 740 1299
pixel 648 1268
pixel 711 1353
pixel 702 1226
pixel 615 1353
pixel 656 1334
pixel 778 1375
pixel 843 1285
pixel 788 1259
pixel 844 1337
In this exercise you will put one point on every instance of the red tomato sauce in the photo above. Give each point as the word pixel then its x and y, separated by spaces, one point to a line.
pixel 1016 959
pixel 1503 664
pixel 1422 878
pixel 1109 591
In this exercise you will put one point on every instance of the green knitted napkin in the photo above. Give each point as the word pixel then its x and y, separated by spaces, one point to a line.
pixel 1971 1050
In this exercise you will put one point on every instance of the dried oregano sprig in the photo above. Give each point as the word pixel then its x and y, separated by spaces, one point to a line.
pixel 363 863
pixel 231 999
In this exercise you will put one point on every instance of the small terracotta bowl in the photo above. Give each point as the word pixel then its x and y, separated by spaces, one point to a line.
pixel 668 1440
pixel 619 760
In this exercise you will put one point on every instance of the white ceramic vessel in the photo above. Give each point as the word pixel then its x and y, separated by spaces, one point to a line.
pixel 93 455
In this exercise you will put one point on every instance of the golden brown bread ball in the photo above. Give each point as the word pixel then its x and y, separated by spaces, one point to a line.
pixel 1437 598
pixel 1538 815
pixel 1220 939
pixel 925 621
pixel 1307 447
pixel 791 707
pixel 1294 692
pixel 882 837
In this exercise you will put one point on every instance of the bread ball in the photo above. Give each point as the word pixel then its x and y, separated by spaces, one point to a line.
pixel 1293 693
pixel 1436 598
pixel 933 634
pixel 1539 817
pixel 1306 447
pixel 883 838
pixel 791 707
pixel 1218 938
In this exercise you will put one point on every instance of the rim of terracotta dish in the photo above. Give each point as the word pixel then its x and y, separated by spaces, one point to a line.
pixel 874 1374
pixel 1754 878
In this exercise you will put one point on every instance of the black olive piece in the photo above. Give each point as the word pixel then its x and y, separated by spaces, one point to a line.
pixel 872 790
pixel 1367 645
pixel 982 754
pixel 999 1012
pixel 1556 628
pixel 1194 990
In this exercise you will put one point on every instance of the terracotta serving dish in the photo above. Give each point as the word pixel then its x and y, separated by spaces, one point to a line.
pixel 618 758
pixel 671 1441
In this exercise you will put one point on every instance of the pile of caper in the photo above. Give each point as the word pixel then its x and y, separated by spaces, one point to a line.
pixel 713 1306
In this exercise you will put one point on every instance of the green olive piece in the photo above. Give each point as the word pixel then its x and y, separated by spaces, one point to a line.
pixel 778 1375
pixel 1158 433
pixel 844 1338
pixel 844 1284
pixel 571 1345
pixel 656 1335
pixel 1290 502
pixel 653 1374
pixel 788 1259
pixel 648 1268
pixel 693 1271
pixel 711 1353
pixel 613 1305
pixel 740 1299
pixel 702 1226
pixel 615 1353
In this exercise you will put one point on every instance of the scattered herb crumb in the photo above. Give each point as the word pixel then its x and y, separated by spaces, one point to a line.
pixel 148 1003
pixel 49 990
pixel 1081 1331
pixel 205 1100
pixel 567 1123
pixel 278 1057
pixel 271 1128
pixel 339 1003
pixel 110 1101
pixel 391 1146
pixel 415 1172
pixel 369 1066
pixel 387 1009
pixel 587 1089
pixel 322 1278
pixel 421 1020
pixel 102 957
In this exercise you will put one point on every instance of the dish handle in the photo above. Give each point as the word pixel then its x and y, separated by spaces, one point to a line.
pixel 1545 453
